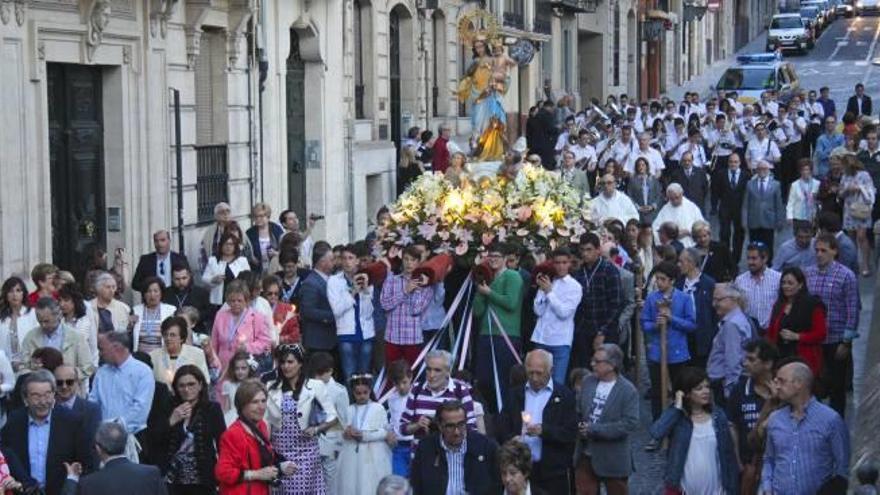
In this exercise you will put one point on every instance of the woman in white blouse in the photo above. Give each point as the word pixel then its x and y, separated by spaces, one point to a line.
pixel 175 353
pixel 16 319
pixel 74 314
pixel 148 317
pixel 224 266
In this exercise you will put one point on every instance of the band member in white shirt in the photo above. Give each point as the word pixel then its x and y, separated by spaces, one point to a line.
pixel 761 147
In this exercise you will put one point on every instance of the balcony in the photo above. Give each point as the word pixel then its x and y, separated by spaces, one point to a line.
pixel 211 179
pixel 575 6
pixel 514 20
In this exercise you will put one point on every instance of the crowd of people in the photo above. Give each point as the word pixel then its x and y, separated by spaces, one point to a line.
pixel 276 363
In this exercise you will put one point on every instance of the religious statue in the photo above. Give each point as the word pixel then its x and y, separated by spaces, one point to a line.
pixel 485 83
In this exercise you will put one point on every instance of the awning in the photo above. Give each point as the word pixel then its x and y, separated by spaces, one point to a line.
pixel 662 15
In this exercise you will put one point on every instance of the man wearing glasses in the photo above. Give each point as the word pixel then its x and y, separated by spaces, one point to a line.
pixel 67 395
pixel 442 459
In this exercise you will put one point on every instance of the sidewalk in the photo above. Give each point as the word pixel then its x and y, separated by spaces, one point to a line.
pixel 712 74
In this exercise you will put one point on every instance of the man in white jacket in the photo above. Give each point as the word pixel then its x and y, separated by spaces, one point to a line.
pixel 351 299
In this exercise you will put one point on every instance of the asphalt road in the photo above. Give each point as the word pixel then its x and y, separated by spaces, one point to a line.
pixel 843 56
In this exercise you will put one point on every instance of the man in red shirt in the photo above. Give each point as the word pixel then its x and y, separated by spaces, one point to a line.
pixel 440 162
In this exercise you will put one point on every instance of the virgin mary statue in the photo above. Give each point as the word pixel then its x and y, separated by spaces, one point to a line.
pixel 483 87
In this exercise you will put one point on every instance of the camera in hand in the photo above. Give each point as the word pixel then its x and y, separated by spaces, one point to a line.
pixel 316 217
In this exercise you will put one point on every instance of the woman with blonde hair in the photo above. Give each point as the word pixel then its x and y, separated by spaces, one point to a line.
pixel 858 195
pixel 454 174
pixel 264 235
pixel 408 168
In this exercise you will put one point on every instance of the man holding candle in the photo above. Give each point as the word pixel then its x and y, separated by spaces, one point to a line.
pixel 540 414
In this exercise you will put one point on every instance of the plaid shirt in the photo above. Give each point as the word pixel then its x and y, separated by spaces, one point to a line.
pixel 836 286
pixel 602 300
pixel 404 311
pixel 761 292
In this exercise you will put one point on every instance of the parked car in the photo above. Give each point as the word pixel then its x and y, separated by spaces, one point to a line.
pixel 758 72
pixel 789 32
pixel 825 8
pixel 814 20
pixel 844 8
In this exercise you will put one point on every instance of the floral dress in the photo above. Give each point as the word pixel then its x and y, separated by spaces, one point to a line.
pixel 867 193
pixel 294 445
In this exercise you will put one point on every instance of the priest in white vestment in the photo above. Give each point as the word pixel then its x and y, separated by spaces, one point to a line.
pixel 680 211
pixel 611 203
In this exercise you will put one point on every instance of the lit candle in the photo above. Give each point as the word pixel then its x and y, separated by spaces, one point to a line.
pixel 526 418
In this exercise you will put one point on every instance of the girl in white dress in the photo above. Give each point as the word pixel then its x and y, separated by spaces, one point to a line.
pixel 241 368
pixel 366 456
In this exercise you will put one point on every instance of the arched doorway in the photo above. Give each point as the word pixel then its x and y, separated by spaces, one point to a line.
pixel 632 55
pixel 296 128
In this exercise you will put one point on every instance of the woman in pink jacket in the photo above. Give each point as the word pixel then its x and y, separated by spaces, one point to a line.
pixel 238 327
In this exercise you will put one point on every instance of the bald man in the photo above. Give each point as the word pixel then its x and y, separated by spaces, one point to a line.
pixel 546 407
pixel 807 442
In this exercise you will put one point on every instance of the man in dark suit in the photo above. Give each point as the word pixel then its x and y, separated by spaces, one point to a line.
pixel 119 475
pixel 158 263
pixel 317 322
pixel 52 434
pixel 183 292
pixel 67 396
pixel 763 209
pixel 859 104
pixel 474 471
pixel 730 187
pixel 693 181
pixel 545 135
pixel 551 428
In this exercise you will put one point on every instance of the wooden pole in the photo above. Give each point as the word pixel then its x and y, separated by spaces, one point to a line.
pixel 636 340
pixel 664 357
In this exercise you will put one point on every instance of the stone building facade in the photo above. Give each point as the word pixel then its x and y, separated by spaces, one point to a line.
pixel 297 103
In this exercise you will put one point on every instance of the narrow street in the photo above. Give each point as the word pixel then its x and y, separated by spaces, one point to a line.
pixel 842 57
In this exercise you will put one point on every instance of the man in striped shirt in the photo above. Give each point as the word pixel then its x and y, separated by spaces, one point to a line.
pixel 760 283
pixel 426 396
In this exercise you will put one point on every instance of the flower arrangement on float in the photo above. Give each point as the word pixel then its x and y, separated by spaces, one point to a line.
pixel 538 210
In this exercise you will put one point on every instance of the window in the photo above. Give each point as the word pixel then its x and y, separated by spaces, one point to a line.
pixel 210 88
pixel 566 61
pixel 616 58
pixel 514 14
pixel 212 177
pixel 439 98
pixel 358 62
pixel 362 45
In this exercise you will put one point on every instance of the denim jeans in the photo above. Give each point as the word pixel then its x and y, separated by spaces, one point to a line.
pixel 560 353
pixel 400 459
pixel 355 357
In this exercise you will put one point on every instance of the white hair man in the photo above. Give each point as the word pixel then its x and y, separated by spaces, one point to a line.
pixel 437 388
pixel 540 414
pixel 680 211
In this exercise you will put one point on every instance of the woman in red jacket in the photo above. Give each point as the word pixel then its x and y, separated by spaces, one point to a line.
pixel 247 463
pixel 797 322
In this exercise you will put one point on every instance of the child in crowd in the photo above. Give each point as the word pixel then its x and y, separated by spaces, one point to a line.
pixel 400 376
pixel 365 457
pixel 479 410
pixel 241 368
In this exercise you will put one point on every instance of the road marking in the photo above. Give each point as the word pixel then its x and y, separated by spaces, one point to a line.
pixel 861 63
pixel 861 43
pixel 836 63
pixel 866 28
pixel 870 55
pixel 844 42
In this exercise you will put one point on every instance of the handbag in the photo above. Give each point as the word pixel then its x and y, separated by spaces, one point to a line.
pixel 860 210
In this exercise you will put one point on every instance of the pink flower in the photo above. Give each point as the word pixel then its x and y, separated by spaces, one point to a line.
pixel 523 213
pixel 427 230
